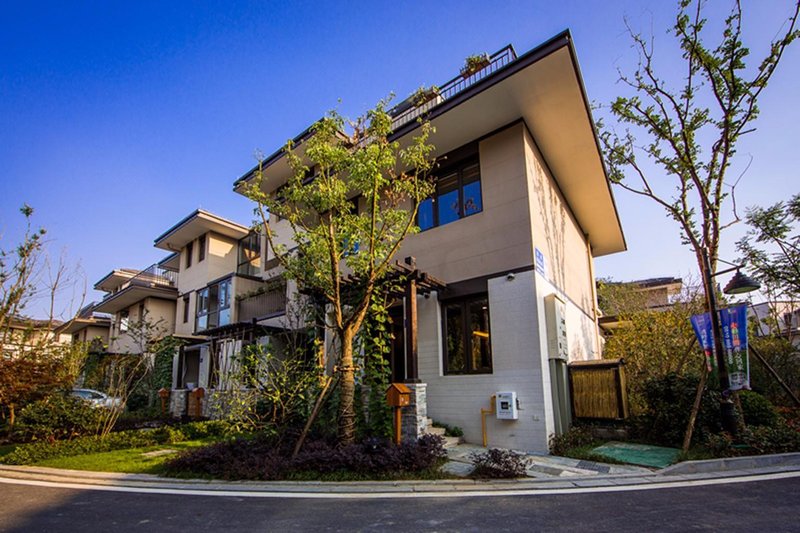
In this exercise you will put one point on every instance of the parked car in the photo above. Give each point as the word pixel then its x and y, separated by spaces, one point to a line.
pixel 97 398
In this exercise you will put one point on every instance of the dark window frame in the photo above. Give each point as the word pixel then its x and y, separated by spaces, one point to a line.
pixel 201 248
pixel 457 168
pixel 244 265
pixel 464 303
pixel 205 307
pixel 186 308
pixel 189 253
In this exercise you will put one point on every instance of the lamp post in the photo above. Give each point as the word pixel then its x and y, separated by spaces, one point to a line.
pixel 740 284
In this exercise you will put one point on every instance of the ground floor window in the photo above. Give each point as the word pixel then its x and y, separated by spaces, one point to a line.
pixel 467 347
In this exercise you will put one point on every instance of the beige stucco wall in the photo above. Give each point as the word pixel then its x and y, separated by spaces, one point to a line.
pixel 158 312
pixel 220 260
pixel 497 238
pixel 557 234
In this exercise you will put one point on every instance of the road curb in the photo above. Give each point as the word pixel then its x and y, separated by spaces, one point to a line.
pixel 687 472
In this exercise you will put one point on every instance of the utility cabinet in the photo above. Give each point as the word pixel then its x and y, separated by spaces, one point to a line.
pixel 507 405
pixel 558 356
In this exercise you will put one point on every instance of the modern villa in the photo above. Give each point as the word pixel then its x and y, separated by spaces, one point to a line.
pixel 522 207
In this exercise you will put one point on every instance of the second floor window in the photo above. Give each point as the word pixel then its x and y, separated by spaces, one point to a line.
pixel 186 309
pixel 214 306
pixel 201 248
pixel 457 195
pixel 250 255
pixel 189 252
pixel 123 320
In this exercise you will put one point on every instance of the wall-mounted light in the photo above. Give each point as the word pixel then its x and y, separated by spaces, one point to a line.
pixel 510 276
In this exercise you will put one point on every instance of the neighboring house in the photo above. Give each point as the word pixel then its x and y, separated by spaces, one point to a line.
pixel 25 335
pixel 652 294
pixel 220 296
pixel 522 207
pixel 142 304
pixel 89 327
pixel 778 317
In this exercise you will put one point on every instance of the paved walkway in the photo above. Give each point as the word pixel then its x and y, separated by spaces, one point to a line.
pixel 739 469
pixel 540 466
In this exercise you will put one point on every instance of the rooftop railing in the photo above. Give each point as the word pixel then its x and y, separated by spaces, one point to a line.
pixel 153 276
pixel 414 106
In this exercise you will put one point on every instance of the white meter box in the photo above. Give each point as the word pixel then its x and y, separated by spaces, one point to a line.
pixel 507 405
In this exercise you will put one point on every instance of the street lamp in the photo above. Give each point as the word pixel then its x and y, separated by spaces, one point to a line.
pixel 739 284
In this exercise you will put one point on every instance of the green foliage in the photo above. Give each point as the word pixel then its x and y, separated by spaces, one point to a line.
pixel 498 463
pixel 449 431
pixel 689 128
pixel 757 410
pixel 757 440
pixel 668 402
pixel 784 358
pixel 374 341
pixel 475 62
pixel 58 416
pixel 33 453
pixel 164 351
pixel 346 160
pixel 771 247
pixel 575 437
pixel 653 343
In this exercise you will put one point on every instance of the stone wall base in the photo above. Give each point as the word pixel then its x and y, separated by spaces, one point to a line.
pixel 415 416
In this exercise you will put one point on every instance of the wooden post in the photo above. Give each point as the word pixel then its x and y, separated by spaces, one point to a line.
pixel 775 375
pixel 163 393
pixel 411 323
pixel 398 425
pixel 687 438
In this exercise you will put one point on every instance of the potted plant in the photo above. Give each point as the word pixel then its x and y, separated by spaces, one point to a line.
pixel 474 63
pixel 423 95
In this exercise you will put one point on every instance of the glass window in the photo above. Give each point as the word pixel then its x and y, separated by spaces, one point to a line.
pixel 213 306
pixel 201 248
pixel 189 251
pixel 458 195
pixel 468 349
pixel 123 320
pixel 250 255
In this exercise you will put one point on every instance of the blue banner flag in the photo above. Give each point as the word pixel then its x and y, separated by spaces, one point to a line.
pixel 733 321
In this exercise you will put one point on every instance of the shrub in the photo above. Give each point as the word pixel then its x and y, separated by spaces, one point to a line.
pixel 120 440
pixel 668 405
pixel 757 410
pixel 262 458
pixel 498 463
pixel 450 431
pixel 575 437
pixel 58 417
pixel 757 440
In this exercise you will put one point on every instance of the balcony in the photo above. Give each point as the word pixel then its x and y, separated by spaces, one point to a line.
pixel 153 281
pixel 413 107
pixel 262 305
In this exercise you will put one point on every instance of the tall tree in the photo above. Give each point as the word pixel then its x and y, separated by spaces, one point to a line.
pixel 343 252
pixel 689 131
pixel 771 247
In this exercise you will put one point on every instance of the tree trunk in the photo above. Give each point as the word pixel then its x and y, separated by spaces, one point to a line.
pixel 347 414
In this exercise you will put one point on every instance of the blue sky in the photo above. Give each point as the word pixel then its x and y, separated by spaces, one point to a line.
pixel 118 119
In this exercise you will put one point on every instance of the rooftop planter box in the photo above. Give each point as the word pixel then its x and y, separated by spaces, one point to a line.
pixel 473 64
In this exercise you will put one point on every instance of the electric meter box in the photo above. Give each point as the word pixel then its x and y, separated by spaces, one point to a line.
pixel 507 406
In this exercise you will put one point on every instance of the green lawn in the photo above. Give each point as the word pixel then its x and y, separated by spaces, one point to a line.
pixel 130 461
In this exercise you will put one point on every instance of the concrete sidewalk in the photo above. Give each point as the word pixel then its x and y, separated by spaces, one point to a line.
pixel 690 471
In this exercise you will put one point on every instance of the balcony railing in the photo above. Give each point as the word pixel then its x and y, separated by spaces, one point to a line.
pixel 262 305
pixel 407 110
pixel 153 276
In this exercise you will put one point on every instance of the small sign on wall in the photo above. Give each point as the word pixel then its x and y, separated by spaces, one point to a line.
pixel 541 265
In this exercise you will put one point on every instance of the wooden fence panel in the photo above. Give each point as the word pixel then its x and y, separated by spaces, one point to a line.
pixel 598 389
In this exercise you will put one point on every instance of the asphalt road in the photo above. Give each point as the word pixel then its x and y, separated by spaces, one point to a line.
pixel 769 506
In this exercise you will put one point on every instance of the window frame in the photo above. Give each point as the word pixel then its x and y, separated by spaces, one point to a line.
pixel 210 311
pixel 464 303
pixel 186 309
pixel 189 253
pixel 255 237
pixel 458 168
pixel 201 248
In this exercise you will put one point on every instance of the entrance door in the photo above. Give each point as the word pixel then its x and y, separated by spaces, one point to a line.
pixel 397 355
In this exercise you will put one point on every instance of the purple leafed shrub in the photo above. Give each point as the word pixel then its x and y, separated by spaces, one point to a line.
pixel 262 459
